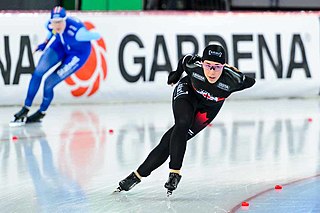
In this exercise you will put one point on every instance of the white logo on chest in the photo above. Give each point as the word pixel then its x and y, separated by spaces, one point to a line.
pixel 223 86
pixel 197 76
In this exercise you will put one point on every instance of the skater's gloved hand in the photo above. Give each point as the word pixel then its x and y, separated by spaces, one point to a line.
pixel 42 46
pixel 173 78
pixel 194 59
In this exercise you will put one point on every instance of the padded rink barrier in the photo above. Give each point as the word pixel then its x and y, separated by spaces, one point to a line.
pixel 131 63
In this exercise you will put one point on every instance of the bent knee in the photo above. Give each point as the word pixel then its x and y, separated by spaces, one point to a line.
pixel 49 85
pixel 38 73
pixel 183 123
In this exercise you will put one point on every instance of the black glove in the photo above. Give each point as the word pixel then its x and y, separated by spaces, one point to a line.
pixel 248 82
pixel 173 77
pixel 194 59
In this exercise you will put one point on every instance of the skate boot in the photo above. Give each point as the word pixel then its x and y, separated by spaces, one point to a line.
pixel 172 182
pixel 36 117
pixel 128 183
pixel 22 114
pixel 19 118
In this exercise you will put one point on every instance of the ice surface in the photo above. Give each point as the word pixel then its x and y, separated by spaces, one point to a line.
pixel 72 163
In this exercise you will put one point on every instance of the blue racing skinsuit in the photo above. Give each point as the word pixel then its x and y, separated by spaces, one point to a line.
pixel 72 48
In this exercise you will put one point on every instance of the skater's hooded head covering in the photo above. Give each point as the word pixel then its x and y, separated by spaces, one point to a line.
pixel 214 53
pixel 58 13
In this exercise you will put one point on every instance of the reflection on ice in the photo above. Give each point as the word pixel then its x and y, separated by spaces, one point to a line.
pixel 53 191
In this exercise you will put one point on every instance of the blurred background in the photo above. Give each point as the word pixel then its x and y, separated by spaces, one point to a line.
pixel 111 5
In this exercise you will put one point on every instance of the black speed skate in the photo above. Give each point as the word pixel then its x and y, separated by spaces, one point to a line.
pixel 36 117
pixel 21 115
pixel 128 183
pixel 172 182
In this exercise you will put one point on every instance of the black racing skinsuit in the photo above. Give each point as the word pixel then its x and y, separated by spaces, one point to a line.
pixel 195 103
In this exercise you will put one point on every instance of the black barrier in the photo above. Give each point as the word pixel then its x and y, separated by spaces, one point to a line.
pixel 28 4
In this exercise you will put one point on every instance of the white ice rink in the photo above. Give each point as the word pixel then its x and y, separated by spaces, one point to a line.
pixel 71 162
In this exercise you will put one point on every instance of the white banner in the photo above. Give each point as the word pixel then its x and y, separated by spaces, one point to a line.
pixel 132 60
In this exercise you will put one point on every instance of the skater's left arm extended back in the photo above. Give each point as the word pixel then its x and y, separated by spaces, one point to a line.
pixel 84 35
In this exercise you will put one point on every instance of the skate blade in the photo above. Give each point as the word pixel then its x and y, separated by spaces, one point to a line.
pixel 169 193
pixel 17 123
pixel 117 190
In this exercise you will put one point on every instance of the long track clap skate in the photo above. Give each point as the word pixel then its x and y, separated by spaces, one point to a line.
pixel 35 117
pixel 128 183
pixel 20 118
pixel 172 183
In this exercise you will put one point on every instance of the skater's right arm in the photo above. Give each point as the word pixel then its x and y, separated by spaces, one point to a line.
pixel 184 62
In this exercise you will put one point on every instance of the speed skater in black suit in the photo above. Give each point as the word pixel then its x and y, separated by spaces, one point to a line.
pixel 196 101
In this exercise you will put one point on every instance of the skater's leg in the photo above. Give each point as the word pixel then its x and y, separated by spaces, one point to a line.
pixel 157 156
pixel 183 112
pixel 52 80
pixel 202 118
pixel 49 58
pixel 155 159
pixel 70 65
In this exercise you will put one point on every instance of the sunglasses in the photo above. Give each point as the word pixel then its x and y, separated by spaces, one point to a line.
pixel 214 67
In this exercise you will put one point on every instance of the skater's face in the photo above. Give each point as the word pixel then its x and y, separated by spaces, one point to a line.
pixel 212 70
pixel 58 25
